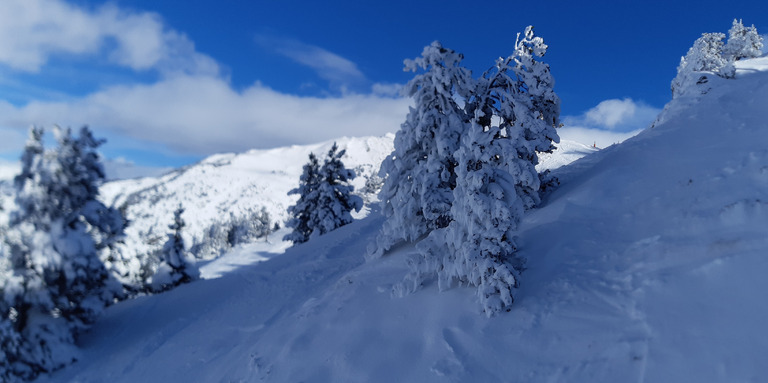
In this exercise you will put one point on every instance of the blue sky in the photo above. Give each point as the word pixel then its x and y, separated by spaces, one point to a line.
pixel 169 82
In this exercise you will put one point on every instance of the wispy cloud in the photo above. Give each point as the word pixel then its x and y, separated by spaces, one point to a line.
pixel 391 90
pixel 32 32
pixel 337 70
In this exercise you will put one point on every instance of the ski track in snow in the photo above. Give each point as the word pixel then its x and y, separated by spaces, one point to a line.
pixel 647 265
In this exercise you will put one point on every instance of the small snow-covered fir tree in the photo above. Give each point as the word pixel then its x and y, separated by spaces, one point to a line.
pixel 175 268
pixel 301 212
pixel 743 42
pixel 706 55
pixel 335 200
pixel 420 173
pixel 55 284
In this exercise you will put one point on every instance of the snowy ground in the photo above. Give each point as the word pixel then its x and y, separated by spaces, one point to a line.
pixel 647 264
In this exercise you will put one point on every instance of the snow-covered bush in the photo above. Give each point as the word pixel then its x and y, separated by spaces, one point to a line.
pixel 220 237
pixel 53 283
pixel 175 267
pixel 743 42
pixel 325 198
pixel 514 114
pixel 419 174
pixel 249 227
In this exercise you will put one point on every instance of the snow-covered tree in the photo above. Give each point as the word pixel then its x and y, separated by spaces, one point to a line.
pixel 301 212
pixel 335 200
pixel 743 42
pixel 528 109
pixel 514 115
pixel 175 268
pixel 706 55
pixel 55 284
pixel 420 173
pixel 325 198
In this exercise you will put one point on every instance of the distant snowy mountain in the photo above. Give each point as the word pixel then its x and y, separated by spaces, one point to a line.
pixel 227 187
pixel 647 264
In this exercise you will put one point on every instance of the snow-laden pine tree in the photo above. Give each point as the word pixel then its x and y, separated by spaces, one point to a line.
pixel 706 55
pixel 174 268
pixel 55 284
pixel 301 212
pixel 528 109
pixel 420 173
pixel 743 42
pixel 335 201
pixel 514 115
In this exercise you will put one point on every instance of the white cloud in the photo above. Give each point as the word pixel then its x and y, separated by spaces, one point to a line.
pixel 614 114
pixel 329 66
pixel 204 115
pixel 33 31
pixel 611 112
pixel 391 90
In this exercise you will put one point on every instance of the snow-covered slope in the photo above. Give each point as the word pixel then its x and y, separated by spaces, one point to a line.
pixel 647 264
